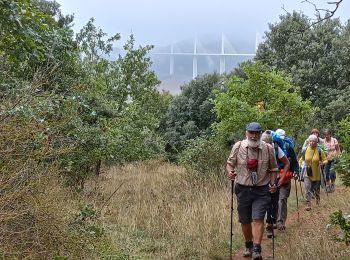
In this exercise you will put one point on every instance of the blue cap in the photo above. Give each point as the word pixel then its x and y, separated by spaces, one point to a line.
pixel 253 127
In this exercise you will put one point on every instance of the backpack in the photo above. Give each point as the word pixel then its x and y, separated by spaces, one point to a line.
pixel 289 145
pixel 289 141
pixel 276 139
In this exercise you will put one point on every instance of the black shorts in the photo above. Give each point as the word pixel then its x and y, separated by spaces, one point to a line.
pixel 252 202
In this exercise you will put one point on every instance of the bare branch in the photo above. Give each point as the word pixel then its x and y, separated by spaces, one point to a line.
pixel 328 14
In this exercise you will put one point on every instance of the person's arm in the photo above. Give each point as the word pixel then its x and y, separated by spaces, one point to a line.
pixel 232 161
pixel 293 160
pixel 306 143
pixel 273 169
pixel 337 147
pixel 286 164
pixel 323 159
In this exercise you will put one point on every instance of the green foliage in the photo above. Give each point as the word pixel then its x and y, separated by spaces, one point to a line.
pixel 60 258
pixel 23 27
pixel 264 96
pixel 101 110
pixel 336 110
pixel 31 37
pixel 317 60
pixel 343 222
pixel 204 159
pixel 344 133
pixel 85 222
pixel 116 103
pixel 190 114
pixel 342 165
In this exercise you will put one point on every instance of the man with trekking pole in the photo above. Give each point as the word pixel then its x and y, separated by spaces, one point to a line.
pixel 252 166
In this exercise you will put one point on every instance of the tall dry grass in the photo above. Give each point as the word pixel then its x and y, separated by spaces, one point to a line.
pixel 157 214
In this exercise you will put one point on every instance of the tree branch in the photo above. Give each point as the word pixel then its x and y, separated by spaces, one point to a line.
pixel 328 13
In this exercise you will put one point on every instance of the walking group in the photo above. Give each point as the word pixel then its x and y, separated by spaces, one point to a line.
pixel 261 168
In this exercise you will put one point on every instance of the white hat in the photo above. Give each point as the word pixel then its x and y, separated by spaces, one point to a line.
pixel 281 133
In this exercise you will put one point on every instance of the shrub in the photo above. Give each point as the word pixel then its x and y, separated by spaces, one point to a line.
pixel 343 221
pixel 204 158
pixel 342 165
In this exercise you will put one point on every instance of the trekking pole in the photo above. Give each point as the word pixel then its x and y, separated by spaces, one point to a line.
pixel 296 194
pixel 273 220
pixel 231 242
pixel 273 236
pixel 301 190
pixel 324 179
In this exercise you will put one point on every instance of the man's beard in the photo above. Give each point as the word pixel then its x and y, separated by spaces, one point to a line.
pixel 253 144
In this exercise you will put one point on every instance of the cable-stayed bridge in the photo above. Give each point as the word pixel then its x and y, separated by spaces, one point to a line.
pixel 227 50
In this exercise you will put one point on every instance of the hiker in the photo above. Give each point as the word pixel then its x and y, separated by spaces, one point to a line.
pixel 333 149
pixel 285 185
pixel 313 158
pixel 272 211
pixel 314 131
pixel 253 167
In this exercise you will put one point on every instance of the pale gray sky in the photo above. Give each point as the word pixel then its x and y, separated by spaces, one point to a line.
pixel 161 22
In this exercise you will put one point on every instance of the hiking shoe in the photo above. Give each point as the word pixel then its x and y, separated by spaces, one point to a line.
pixel 256 255
pixel 332 188
pixel 308 206
pixel 328 188
pixel 248 249
pixel 318 201
pixel 281 226
pixel 269 231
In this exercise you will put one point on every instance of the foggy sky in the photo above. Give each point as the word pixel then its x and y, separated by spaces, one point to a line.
pixel 161 22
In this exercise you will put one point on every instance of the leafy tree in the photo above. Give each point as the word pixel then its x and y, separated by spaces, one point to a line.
pixel 22 27
pixel 117 113
pixel 314 59
pixel 263 95
pixel 190 114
